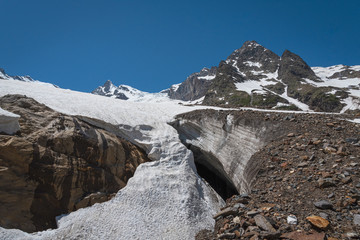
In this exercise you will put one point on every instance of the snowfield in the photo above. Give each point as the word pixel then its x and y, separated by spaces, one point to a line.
pixel 165 199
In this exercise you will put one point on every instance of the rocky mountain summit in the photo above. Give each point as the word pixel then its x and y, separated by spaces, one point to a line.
pixel 56 164
pixel 253 76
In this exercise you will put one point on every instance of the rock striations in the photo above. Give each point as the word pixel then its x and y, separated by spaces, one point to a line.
pixel 56 164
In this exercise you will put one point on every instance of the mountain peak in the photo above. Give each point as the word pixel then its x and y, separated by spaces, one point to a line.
pixel 294 67
pixel 251 44
pixel 289 54
pixel 108 83
pixel 25 78
pixel 250 51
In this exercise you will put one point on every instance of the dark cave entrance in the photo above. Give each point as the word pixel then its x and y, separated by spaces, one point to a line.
pixel 211 170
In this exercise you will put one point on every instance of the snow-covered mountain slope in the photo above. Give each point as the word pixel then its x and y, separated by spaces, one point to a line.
pixel 125 92
pixel 165 199
pixel 341 77
pixel 255 76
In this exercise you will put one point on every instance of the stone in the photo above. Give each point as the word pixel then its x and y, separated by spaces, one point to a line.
pixel 324 215
pixel 303 236
pixel 356 219
pixel 244 195
pixel 242 200
pixel 291 219
pixel 270 235
pixel 227 236
pixel 303 164
pixel 263 223
pixel 238 233
pixel 318 222
pixel 252 213
pixel 323 204
pixel 236 220
pixel 239 205
pixel 352 235
pixel 325 183
pixel 352 140
pixel 284 164
pixel 226 212
pixel 330 149
pixel 346 180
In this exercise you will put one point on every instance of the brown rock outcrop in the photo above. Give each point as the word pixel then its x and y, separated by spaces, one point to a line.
pixel 57 164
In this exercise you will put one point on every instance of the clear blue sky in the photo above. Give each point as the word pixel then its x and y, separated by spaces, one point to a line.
pixel 79 44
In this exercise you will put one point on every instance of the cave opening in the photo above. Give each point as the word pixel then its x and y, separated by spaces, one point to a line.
pixel 210 169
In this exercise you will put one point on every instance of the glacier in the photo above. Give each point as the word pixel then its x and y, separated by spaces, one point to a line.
pixel 165 199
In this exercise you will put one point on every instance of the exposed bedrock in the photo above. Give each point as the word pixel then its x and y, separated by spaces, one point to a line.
pixel 223 143
pixel 57 164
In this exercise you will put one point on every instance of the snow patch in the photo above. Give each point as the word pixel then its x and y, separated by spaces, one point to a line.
pixel 356 120
pixel 253 64
pixel 9 122
pixel 253 85
pixel 175 87
pixel 350 104
pixel 209 77
pixel 338 83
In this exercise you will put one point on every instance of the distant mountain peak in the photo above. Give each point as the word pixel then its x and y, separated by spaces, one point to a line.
pixel 126 92
pixel 25 78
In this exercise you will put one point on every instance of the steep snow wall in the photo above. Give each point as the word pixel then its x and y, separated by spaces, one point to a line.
pixel 9 122
pixel 229 139
pixel 165 199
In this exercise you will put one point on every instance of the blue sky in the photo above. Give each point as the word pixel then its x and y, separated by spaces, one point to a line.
pixel 151 45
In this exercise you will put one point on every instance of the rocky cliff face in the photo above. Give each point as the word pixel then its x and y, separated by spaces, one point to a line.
pixel 194 87
pixel 57 164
